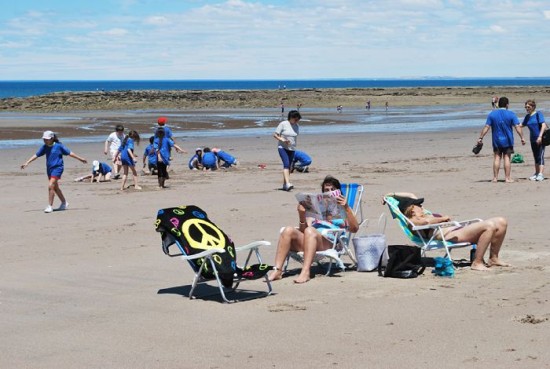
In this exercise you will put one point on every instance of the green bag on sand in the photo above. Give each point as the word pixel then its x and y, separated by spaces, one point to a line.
pixel 517 158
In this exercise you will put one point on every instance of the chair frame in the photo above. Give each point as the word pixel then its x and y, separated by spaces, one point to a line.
pixel 341 238
pixel 415 233
pixel 208 255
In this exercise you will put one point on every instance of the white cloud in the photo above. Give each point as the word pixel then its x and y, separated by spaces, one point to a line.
pixel 271 39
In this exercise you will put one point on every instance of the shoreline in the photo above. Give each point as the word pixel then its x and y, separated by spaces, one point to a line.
pixel 254 99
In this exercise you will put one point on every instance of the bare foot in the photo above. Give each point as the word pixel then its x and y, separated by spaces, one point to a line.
pixel 494 180
pixel 498 262
pixel 302 279
pixel 137 188
pixel 479 267
pixel 276 275
pixel 122 188
pixel 509 180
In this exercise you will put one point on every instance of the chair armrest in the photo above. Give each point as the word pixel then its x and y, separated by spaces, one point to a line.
pixel 253 245
pixel 436 226
pixel 335 231
pixel 203 254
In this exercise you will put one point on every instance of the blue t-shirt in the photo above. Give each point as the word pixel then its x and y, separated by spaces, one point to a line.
pixel 502 122
pixel 229 159
pixel 104 168
pixel 301 158
pixel 209 160
pixel 533 122
pixel 163 148
pixel 167 131
pixel 124 155
pixel 151 154
pixel 54 155
pixel 192 160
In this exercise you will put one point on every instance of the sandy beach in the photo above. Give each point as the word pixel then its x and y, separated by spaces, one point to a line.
pixel 90 287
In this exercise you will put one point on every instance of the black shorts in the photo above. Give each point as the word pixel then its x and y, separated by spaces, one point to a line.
pixel 504 150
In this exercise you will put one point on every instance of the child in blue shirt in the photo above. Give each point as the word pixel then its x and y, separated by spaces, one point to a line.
pixel 54 151
pixel 128 158
pixel 101 171
pixel 150 155
pixel 301 162
pixel 228 160
pixel 162 146
pixel 209 160
pixel 195 163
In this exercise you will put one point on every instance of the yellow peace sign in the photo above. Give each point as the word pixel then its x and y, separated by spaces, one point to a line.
pixel 210 235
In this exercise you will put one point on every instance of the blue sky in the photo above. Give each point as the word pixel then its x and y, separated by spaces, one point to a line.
pixel 268 39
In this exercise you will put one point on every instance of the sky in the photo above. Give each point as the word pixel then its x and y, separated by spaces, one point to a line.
pixel 272 39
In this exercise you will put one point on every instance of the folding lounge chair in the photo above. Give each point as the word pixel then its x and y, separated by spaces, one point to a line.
pixel 210 252
pixel 341 238
pixel 418 234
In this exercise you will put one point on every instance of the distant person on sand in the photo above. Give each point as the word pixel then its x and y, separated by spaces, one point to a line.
pixel 301 162
pixel 286 134
pixel 162 145
pixel 150 157
pixel 387 105
pixel 209 160
pixel 487 234
pixel 128 158
pixel 307 238
pixel 228 159
pixel 368 105
pixel 282 108
pixel 101 172
pixel 111 145
pixel 501 121
pixel 534 120
pixel 54 151
pixel 195 163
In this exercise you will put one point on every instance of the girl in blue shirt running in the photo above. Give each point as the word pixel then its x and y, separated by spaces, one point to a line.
pixel 54 151
pixel 128 158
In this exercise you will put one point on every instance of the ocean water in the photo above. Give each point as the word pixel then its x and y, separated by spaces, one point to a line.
pixel 34 88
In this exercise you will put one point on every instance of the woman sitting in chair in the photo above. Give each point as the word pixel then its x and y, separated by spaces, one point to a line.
pixel 487 232
pixel 307 238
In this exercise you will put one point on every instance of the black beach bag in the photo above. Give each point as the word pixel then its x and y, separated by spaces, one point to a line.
pixel 404 262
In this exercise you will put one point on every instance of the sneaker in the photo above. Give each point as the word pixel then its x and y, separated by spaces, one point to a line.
pixel 533 177
pixel 288 187
pixel 63 206
pixel 540 177
pixel 48 209
pixel 306 169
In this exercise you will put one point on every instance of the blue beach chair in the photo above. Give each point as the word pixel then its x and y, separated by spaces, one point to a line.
pixel 341 238
pixel 419 235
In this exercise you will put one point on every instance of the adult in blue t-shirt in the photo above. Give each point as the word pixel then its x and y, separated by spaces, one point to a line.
pixel 534 120
pixel 301 161
pixel 501 121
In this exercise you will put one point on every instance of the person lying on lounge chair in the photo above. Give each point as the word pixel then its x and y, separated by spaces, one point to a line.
pixel 487 234
pixel 307 238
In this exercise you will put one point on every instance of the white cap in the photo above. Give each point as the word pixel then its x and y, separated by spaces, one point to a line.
pixel 95 165
pixel 48 135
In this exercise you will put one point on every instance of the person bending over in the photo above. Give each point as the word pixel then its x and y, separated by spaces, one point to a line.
pixel 487 234
pixel 307 238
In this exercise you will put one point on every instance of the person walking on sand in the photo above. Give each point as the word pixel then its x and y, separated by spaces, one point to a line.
pixel 126 155
pixel 500 122
pixel 54 151
pixel 111 145
pixel 534 120
pixel 162 145
pixel 286 134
